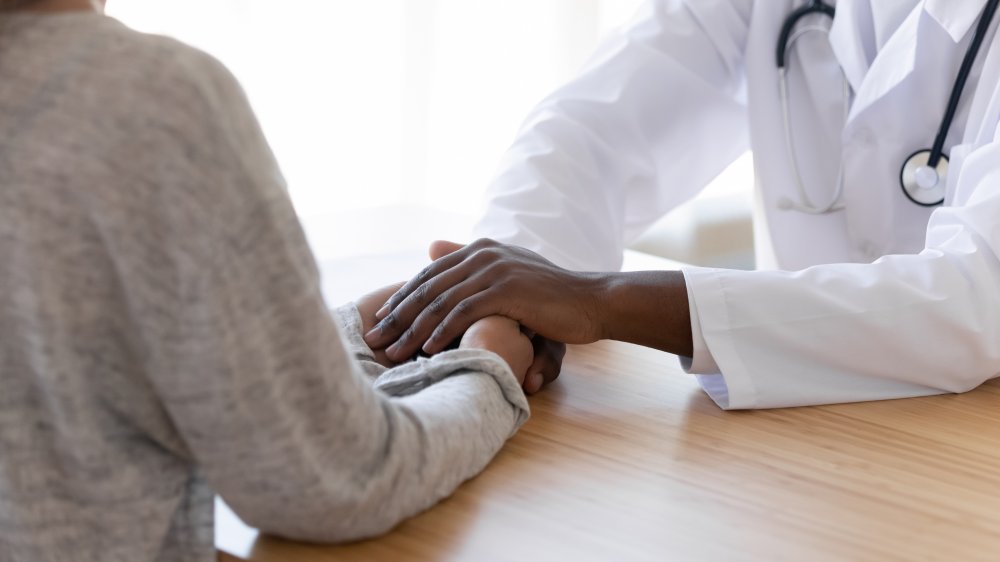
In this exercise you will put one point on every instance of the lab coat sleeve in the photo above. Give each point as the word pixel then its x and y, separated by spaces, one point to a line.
pixel 903 326
pixel 656 113
pixel 701 360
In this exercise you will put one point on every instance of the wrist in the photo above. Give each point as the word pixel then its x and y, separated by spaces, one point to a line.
pixel 648 308
pixel 597 303
pixel 604 287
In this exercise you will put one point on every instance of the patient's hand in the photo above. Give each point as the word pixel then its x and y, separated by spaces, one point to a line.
pixel 368 305
pixel 547 364
pixel 504 337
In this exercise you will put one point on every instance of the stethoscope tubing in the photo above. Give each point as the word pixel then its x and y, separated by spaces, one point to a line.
pixel 937 149
pixel 932 164
pixel 814 6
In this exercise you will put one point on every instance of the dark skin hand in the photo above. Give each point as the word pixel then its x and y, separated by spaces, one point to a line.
pixel 487 278
pixel 368 305
pixel 545 365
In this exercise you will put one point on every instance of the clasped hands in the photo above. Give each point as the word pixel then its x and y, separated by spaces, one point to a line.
pixel 491 296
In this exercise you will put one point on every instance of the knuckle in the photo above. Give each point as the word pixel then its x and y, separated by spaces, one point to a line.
pixel 397 298
pixel 421 295
pixel 437 333
pixel 436 307
pixel 464 308
pixel 389 322
pixel 479 255
pixel 487 257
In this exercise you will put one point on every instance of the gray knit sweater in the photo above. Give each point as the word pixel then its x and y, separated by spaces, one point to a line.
pixel 162 332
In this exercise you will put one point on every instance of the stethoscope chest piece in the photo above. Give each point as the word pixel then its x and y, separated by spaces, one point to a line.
pixel 922 183
pixel 924 175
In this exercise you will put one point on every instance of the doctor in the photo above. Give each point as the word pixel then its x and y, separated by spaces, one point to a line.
pixel 874 129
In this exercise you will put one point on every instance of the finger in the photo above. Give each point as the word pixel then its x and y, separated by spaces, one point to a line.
pixel 533 382
pixel 378 296
pixel 384 293
pixel 441 248
pixel 390 325
pixel 465 313
pixel 426 274
pixel 546 366
pixel 368 303
pixel 402 314
pixel 428 315
pixel 400 320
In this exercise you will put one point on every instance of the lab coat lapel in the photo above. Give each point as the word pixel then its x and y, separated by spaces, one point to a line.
pixel 893 64
pixel 955 16
pixel 984 113
pixel 887 16
pixel 861 29
pixel 927 28
pixel 852 40
pixel 897 57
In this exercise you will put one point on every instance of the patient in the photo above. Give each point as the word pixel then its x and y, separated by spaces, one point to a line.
pixel 162 333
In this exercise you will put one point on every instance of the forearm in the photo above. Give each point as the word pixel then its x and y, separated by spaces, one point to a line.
pixel 329 459
pixel 648 308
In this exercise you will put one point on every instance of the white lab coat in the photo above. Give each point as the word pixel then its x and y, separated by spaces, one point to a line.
pixel 884 299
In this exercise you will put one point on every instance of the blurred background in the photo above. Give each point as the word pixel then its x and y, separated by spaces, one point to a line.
pixel 389 117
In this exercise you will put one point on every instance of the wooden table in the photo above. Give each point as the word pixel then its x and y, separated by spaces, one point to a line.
pixel 626 459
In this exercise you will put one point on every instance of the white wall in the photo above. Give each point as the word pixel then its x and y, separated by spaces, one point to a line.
pixel 388 117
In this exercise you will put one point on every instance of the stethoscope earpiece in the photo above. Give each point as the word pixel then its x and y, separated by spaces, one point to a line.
pixel 922 183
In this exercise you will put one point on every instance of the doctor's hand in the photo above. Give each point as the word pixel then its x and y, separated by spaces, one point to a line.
pixel 368 305
pixel 549 354
pixel 483 279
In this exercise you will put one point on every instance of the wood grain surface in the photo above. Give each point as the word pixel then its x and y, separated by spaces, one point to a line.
pixel 626 459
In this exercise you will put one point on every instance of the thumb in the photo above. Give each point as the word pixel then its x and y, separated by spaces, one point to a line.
pixel 441 248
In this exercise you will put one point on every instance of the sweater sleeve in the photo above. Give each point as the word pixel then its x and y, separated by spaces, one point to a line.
pixel 271 400
pixel 350 322
pixel 282 421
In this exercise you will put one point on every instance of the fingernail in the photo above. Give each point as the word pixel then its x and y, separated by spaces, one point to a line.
pixel 382 312
pixel 392 349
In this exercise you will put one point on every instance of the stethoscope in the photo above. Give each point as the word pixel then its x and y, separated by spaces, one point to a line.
pixel 923 176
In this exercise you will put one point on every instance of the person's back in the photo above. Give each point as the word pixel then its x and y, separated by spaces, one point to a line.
pixel 162 334
pixel 71 365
